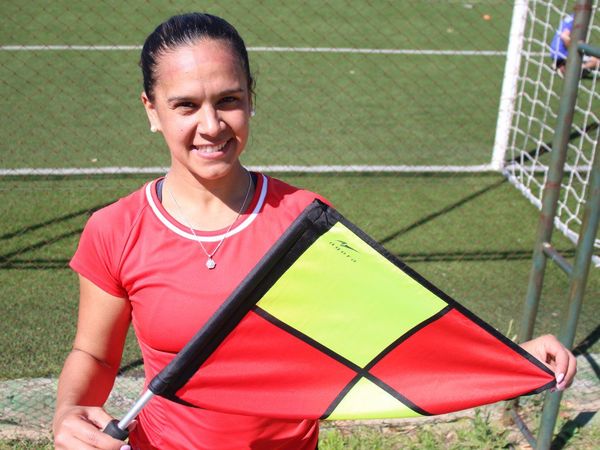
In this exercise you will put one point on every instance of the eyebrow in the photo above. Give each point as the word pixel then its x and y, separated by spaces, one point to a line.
pixel 180 98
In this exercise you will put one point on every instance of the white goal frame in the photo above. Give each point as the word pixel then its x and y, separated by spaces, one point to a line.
pixel 527 114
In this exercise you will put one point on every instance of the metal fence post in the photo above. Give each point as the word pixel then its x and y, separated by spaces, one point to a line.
pixel 543 248
pixel 579 275
pixel 555 173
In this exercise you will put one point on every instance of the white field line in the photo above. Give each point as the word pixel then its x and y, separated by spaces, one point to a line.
pixel 379 51
pixel 125 170
pixel 35 48
pixel 28 171
pixel 375 51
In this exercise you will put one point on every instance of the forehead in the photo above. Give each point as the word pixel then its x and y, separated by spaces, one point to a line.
pixel 206 62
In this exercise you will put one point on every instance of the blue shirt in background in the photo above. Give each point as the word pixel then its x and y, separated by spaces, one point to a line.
pixel 558 50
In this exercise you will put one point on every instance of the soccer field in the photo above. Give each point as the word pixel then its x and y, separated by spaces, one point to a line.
pixel 344 83
pixel 323 96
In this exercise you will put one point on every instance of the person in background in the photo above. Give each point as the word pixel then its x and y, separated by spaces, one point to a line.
pixel 559 49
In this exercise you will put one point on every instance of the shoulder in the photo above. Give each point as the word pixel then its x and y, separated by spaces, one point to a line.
pixel 568 21
pixel 288 196
pixel 279 204
pixel 118 217
pixel 103 241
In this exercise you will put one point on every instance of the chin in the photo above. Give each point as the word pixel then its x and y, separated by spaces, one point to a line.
pixel 214 173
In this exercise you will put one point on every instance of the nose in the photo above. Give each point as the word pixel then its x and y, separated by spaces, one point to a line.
pixel 209 122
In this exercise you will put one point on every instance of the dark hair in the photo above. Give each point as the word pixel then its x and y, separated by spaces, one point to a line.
pixel 185 29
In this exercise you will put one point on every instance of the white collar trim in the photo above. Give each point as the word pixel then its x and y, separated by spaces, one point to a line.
pixel 242 226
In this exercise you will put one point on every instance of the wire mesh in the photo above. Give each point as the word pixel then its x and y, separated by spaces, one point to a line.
pixel 536 113
pixel 367 89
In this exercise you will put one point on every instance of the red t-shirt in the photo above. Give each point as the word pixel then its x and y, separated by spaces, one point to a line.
pixel 136 250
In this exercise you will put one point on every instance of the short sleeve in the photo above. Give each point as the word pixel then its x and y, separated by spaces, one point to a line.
pixel 98 254
pixel 568 23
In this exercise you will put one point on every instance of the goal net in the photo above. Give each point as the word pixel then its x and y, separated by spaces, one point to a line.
pixel 533 110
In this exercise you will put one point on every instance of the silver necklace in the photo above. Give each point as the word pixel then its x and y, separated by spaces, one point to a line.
pixel 210 262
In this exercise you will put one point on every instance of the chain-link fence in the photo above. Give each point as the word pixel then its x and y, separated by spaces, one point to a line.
pixel 535 112
pixel 339 83
pixel 388 108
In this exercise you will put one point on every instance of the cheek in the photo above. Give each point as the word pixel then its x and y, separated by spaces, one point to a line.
pixel 177 125
pixel 241 126
pixel 178 133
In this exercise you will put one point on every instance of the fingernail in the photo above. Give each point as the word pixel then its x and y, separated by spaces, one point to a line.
pixel 125 447
pixel 560 377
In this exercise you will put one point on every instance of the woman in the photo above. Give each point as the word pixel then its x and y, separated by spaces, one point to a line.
pixel 144 259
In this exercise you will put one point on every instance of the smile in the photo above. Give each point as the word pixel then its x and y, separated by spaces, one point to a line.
pixel 210 148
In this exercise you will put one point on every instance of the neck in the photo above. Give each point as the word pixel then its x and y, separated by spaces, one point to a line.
pixel 207 205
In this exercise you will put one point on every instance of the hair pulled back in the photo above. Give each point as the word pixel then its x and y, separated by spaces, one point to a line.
pixel 186 29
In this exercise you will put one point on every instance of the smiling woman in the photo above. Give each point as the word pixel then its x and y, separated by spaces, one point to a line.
pixel 198 94
pixel 166 263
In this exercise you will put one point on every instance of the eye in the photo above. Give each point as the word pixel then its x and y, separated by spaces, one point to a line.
pixel 185 105
pixel 229 101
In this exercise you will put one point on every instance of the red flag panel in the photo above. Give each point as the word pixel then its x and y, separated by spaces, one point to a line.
pixel 440 370
pixel 261 368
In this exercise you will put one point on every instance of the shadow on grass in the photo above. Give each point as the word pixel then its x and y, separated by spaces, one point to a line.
pixel 570 428
pixel 53 221
pixel 587 342
pixel 504 255
pixel 34 264
pixel 434 215
pixel 547 146
pixel 585 345
pixel 7 261
pixel 135 364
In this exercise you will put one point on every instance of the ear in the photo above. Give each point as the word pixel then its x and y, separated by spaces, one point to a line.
pixel 250 103
pixel 151 113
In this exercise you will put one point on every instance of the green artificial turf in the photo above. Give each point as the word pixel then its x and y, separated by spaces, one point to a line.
pixel 470 235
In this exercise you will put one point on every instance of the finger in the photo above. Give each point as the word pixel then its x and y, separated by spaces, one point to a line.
pixel 565 365
pixel 538 348
pixel 570 372
pixel 81 434
pixel 97 439
pixel 98 417
pixel 88 430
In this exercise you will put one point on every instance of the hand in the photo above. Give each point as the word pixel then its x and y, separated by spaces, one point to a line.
pixel 80 427
pixel 556 356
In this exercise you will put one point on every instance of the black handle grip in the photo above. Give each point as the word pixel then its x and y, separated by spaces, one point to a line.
pixel 112 429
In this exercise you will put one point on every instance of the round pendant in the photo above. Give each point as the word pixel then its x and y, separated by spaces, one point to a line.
pixel 210 263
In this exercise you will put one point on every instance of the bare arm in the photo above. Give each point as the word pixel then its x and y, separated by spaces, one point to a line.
pixel 90 370
pixel 565 36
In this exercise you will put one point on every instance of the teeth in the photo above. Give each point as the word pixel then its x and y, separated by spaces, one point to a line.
pixel 210 148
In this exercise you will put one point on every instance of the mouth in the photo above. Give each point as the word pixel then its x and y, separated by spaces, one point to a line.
pixel 209 149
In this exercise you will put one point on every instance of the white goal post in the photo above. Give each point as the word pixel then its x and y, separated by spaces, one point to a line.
pixel 529 108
